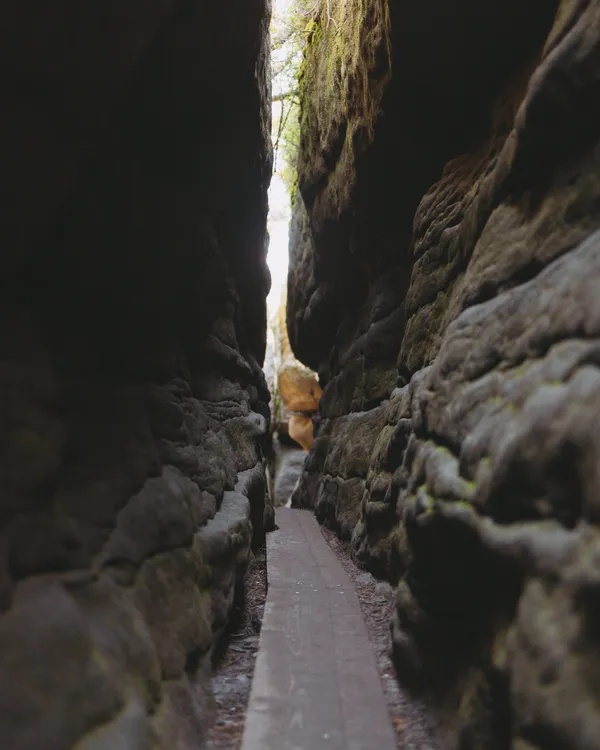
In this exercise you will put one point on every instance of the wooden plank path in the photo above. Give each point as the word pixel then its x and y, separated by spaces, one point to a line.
pixel 316 685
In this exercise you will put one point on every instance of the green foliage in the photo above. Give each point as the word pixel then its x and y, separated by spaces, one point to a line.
pixel 345 72
pixel 288 147
pixel 328 50
pixel 289 33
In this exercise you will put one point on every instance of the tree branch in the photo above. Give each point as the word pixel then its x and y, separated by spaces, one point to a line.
pixel 284 95
pixel 330 17
pixel 282 123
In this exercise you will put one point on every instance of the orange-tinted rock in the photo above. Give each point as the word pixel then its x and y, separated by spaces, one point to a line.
pixel 299 389
pixel 301 430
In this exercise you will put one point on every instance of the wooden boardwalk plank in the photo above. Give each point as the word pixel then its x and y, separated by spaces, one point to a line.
pixel 316 684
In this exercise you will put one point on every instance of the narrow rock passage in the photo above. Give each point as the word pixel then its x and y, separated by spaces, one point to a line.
pixel 316 684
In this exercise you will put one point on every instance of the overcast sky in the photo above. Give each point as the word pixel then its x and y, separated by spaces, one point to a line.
pixel 279 215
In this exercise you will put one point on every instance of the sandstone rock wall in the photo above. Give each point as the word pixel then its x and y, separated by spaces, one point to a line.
pixel 135 155
pixel 295 391
pixel 444 282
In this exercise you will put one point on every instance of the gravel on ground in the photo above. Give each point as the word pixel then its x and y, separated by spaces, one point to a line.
pixel 234 666
pixel 414 727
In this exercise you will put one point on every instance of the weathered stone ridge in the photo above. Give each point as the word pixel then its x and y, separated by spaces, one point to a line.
pixel 459 444
pixel 135 162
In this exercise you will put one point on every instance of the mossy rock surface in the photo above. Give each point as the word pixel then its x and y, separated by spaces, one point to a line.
pixel 444 277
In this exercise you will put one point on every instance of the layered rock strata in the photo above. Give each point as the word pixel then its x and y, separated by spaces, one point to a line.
pixel 135 161
pixel 444 282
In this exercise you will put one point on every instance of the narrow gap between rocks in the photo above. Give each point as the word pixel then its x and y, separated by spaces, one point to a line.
pixel 291 415
pixel 408 356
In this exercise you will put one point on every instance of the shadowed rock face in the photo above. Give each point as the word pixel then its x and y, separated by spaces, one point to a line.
pixel 445 267
pixel 135 159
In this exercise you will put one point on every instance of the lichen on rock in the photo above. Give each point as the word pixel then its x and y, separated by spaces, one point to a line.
pixel 448 299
